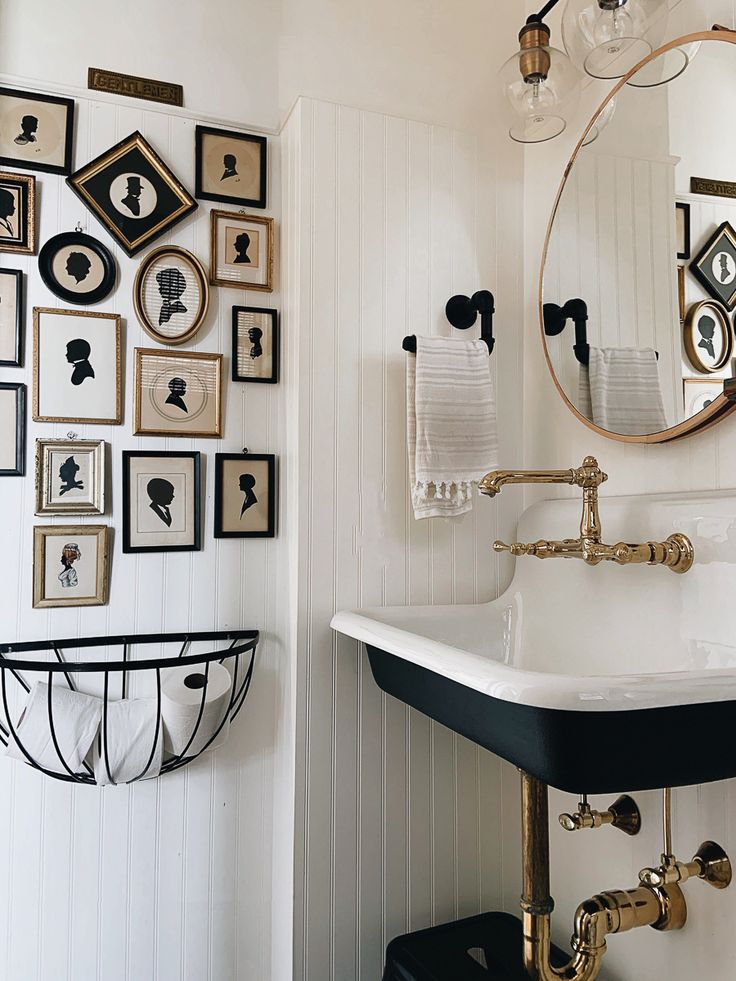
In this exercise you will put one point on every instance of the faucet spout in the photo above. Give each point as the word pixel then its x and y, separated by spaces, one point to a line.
pixel 589 476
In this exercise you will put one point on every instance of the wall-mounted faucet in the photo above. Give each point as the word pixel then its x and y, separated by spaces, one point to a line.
pixel 676 552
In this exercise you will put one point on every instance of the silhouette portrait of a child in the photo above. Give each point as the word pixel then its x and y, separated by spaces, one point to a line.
pixel 77 353
pixel 707 329
pixel 28 128
pixel 171 284
pixel 177 391
pixel 254 336
pixel 242 244
pixel 161 494
pixel 78 266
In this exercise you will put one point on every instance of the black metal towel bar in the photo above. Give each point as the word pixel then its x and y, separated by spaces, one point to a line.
pixel 462 312
pixel 555 318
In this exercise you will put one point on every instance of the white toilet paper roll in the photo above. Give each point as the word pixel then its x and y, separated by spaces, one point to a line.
pixel 181 698
pixel 131 754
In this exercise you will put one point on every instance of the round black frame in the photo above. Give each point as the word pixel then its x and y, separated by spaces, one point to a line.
pixel 45 267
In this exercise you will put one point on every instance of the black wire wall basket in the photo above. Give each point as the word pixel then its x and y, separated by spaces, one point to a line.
pixel 54 683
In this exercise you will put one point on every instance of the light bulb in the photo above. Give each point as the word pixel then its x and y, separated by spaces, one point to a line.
pixel 538 98
pixel 612 26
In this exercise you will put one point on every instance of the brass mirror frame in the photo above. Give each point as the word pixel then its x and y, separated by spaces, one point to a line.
pixel 721 407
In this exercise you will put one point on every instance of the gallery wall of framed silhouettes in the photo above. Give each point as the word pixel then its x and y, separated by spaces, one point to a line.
pixel 138 302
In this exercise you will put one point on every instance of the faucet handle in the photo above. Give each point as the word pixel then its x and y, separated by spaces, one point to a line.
pixel 518 548
pixel 589 474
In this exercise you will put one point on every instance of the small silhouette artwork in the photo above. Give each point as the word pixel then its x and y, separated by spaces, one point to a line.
pixel 78 266
pixel 7 210
pixel 77 353
pixel 171 284
pixel 230 163
pixel 255 334
pixel 68 575
pixel 242 244
pixel 707 329
pixel 132 199
pixel 246 484
pixel 177 391
pixel 28 129
pixel 68 474
pixel 161 494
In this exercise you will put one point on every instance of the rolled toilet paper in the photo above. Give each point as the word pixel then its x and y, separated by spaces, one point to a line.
pixel 131 729
pixel 181 698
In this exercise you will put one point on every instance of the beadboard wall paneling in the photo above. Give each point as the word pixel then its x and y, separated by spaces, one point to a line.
pixel 397 824
pixel 168 879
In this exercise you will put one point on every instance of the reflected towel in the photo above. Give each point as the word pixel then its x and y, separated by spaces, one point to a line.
pixel 451 424
pixel 131 752
pixel 620 391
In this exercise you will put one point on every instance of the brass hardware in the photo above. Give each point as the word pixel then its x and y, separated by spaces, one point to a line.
pixel 622 814
pixel 675 553
pixel 710 863
pixel 534 60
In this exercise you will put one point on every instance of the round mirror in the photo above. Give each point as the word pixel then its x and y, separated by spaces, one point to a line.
pixel 638 287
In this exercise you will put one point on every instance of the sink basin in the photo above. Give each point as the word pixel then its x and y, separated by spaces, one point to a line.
pixel 593 680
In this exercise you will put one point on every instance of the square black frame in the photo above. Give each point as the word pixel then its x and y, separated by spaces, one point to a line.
pixel 66 167
pixel 684 207
pixel 722 240
pixel 17 274
pixel 194 455
pixel 275 343
pixel 260 141
pixel 20 428
pixel 220 459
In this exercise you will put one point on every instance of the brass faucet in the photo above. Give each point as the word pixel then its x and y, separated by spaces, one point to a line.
pixel 676 553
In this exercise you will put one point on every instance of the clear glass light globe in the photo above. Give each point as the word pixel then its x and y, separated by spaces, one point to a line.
pixel 613 25
pixel 608 43
pixel 539 104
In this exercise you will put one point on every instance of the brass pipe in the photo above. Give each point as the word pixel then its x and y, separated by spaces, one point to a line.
pixel 492 483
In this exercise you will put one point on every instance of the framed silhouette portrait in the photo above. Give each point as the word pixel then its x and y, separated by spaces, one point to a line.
pixel 70 476
pixel 708 337
pixel 231 167
pixel 70 565
pixel 36 131
pixel 699 393
pixel 77 268
pixel 12 429
pixel 241 251
pixel 161 501
pixel 245 495
pixel 18 213
pixel 178 393
pixel 171 295
pixel 255 355
pixel 133 193
pixel 76 367
pixel 715 265
pixel 11 318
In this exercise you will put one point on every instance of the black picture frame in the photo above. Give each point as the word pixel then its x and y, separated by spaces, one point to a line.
pixel 20 429
pixel 27 162
pixel 260 142
pixel 194 456
pixel 17 276
pixel 159 195
pixel 684 208
pixel 220 460
pixel 722 242
pixel 50 250
pixel 274 328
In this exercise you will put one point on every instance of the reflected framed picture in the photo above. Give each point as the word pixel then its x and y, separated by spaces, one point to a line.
pixel 18 213
pixel 245 495
pixel 36 131
pixel 12 429
pixel 241 251
pixel 715 265
pixel 70 565
pixel 171 295
pixel 681 292
pixel 231 167
pixel 77 268
pixel 70 476
pixel 255 355
pixel 682 229
pixel 161 501
pixel 76 367
pixel 699 393
pixel 708 336
pixel 133 193
pixel 11 318
pixel 178 394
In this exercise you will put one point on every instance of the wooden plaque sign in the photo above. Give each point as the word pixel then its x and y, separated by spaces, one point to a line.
pixel 103 80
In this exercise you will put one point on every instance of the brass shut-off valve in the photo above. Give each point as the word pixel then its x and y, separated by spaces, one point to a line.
pixel 622 814
pixel 710 863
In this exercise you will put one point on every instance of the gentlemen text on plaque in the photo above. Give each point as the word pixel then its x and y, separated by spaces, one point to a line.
pixel 137 88
pixel 719 189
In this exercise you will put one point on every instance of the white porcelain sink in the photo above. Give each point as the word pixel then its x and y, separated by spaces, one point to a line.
pixel 642 656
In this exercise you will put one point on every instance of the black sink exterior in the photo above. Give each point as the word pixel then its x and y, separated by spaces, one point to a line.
pixel 579 752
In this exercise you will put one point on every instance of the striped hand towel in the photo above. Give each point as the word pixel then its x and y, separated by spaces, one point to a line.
pixel 624 392
pixel 451 424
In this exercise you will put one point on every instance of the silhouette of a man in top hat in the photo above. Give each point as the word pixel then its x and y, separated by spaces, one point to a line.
pixel 28 127
pixel 132 199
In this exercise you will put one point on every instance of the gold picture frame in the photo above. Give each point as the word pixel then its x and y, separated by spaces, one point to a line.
pixel 681 293
pixel 717 313
pixel 697 390
pixel 243 272
pixel 52 589
pixel 21 190
pixel 39 403
pixel 191 379
pixel 177 257
pixel 81 474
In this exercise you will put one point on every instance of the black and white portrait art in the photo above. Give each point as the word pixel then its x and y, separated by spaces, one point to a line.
pixel 708 337
pixel 699 393
pixel 715 266
pixel 178 394
pixel 242 250
pixel 171 295
pixel 70 565
pixel 77 268
pixel 18 213
pixel 231 167
pixel 245 495
pixel 133 193
pixel 36 131
pixel 161 501
pixel 70 476
pixel 255 344
pixel 76 366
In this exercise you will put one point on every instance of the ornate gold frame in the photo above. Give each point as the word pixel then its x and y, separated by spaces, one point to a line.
pixel 722 406
pixel 138 430
pixel 268 224
pixel 30 181
pixel 117 420
pixel 204 287
pixel 102 578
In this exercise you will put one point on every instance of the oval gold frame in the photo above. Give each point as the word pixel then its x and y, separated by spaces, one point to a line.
pixel 721 407
pixel 204 302
pixel 724 322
